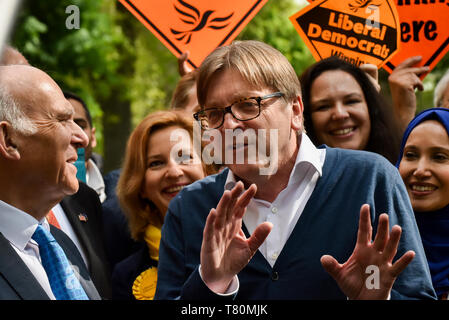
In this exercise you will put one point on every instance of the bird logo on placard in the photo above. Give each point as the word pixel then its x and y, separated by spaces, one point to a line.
pixel 192 16
pixel 359 4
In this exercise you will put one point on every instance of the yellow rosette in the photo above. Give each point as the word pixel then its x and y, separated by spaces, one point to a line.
pixel 144 287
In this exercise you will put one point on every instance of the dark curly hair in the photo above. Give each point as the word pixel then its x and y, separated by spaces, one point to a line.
pixel 385 135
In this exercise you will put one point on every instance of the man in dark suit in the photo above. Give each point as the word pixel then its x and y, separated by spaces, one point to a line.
pixel 79 215
pixel 38 143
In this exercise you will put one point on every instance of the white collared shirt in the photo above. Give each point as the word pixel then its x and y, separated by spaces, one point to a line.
pixel 18 227
pixel 94 179
pixel 288 206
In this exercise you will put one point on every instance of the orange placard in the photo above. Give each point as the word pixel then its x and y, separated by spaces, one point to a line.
pixel 424 31
pixel 357 31
pixel 197 26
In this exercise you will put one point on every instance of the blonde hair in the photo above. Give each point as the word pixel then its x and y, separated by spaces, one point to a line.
pixel 258 63
pixel 141 212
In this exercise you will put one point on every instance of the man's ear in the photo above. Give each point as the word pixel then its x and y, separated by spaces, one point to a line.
pixel 8 147
pixel 297 115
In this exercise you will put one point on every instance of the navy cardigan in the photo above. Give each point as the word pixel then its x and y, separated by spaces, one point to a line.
pixel 328 225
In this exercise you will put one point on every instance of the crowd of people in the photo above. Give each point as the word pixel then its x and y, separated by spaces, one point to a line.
pixel 344 197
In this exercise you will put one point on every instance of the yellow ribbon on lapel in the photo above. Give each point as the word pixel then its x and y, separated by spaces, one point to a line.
pixel 144 287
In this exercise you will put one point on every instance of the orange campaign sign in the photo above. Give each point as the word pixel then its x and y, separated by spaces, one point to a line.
pixel 197 26
pixel 357 31
pixel 424 31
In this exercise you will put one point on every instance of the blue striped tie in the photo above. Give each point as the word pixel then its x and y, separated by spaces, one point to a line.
pixel 64 284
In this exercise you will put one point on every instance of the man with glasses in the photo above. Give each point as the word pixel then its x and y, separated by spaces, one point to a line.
pixel 247 235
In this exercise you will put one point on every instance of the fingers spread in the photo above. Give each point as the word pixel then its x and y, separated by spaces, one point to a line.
pixel 392 245
pixel 364 233
pixel 231 205
pixel 259 235
pixel 208 232
pixel 402 263
pixel 382 236
pixel 330 265
pixel 222 208
pixel 244 200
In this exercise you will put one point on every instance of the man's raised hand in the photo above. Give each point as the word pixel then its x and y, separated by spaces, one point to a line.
pixel 352 276
pixel 225 250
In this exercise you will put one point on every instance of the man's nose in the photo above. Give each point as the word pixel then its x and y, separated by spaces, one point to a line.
pixel 230 122
pixel 79 137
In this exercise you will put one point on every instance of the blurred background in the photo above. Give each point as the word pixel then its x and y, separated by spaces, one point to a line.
pixel 123 72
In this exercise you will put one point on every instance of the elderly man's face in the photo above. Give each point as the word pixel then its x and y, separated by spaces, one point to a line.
pixel 279 120
pixel 48 156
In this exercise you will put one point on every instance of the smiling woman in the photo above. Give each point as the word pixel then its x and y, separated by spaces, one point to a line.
pixel 424 167
pixel 343 109
pixel 159 162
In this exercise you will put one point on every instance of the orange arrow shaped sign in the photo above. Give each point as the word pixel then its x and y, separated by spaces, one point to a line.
pixel 357 31
pixel 424 31
pixel 197 26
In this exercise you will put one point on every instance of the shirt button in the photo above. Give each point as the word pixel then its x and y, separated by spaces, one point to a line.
pixel 275 276
pixel 274 209
pixel 274 256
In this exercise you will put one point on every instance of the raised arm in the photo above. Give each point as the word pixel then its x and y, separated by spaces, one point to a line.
pixel 183 67
pixel 403 81
pixel 373 74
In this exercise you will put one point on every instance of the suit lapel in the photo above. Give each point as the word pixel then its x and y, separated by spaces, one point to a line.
pixel 76 262
pixel 18 274
pixel 72 211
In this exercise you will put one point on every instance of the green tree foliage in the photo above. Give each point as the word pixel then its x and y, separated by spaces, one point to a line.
pixel 88 61
pixel 272 25
pixel 113 62
pixel 120 68
pixel 155 76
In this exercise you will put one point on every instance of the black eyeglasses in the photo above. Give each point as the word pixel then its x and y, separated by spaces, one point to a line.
pixel 243 110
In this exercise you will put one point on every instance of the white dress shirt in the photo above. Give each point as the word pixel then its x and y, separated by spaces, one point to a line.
pixel 94 179
pixel 288 206
pixel 18 227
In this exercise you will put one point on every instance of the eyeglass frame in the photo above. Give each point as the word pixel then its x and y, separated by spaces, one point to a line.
pixel 228 109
